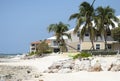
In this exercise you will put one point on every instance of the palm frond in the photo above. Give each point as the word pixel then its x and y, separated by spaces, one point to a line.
pixel 83 31
pixel 67 35
pixel 74 16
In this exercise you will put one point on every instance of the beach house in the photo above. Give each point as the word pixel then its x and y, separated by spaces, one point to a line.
pixel 33 45
pixel 75 44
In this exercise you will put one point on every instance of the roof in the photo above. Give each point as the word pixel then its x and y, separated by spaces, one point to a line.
pixel 36 42
pixel 47 41
pixel 54 38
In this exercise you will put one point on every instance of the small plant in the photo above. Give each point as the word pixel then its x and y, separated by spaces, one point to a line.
pixel 76 56
pixel 85 55
pixel 82 55
pixel 43 48
pixel 32 53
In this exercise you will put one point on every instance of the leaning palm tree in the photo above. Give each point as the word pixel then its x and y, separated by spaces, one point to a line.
pixel 104 19
pixel 85 17
pixel 60 31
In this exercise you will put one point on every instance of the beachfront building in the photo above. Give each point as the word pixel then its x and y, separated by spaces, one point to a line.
pixel 75 44
pixel 33 45
pixel 53 43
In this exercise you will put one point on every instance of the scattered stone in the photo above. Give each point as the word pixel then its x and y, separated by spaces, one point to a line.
pixel 115 68
pixel 16 73
pixel 110 67
pixel 41 80
pixel 36 76
pixel 9 76
pixel 97 67
pixel 28 72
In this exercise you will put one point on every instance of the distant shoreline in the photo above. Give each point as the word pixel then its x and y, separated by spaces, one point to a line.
pixel 3 55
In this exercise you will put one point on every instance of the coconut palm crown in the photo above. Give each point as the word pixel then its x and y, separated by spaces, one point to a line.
pixel 105 18
pixel 60 31
pixel 85 17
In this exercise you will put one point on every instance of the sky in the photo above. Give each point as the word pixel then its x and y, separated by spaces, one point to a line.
pixel 25 21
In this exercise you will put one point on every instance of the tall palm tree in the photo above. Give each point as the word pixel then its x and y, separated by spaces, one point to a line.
pixel 60 31
pixel 104 19
pixel 85 17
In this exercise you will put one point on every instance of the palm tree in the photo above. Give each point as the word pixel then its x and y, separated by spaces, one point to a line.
pixel 60 31
pixel 116 33
pixel 104 19
pixel 85 17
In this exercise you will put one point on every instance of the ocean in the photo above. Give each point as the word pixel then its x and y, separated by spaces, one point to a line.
pixel 2 55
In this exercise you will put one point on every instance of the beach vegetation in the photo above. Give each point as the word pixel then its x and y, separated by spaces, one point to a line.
pixel 32 53
pixel 101 52
pixel 116 34
pixel 84 20
pixel 104 19
pixel 43 48
pixel 82 55
pixel 59 30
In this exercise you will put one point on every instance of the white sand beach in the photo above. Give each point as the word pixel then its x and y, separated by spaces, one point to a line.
pixel 42 64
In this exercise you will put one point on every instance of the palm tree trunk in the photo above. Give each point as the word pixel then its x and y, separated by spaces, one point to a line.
pixel 105 38
pixel 93 2
pixel 93 45
pixel 63 47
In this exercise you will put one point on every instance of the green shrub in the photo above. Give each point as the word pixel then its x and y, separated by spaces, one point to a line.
pixel 32 53
pixel 82 55
pixel 85 54
pixel 47 51
pixel 43 48
pixel 101 52
pixel 76 56
pixel 104 52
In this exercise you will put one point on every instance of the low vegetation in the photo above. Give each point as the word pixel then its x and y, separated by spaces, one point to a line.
pixel 116 34
pixel 81 55
pixel 104 52
pixel 42 48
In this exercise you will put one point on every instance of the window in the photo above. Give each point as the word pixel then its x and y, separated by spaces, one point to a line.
pixel 98 33
pixel 32 44
pixel 78 34
pixel 97 46
pixel 108 34
pixel 78 47
pixel 55 43
pixel 109 46
pixel 86 34
pixel 33 48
